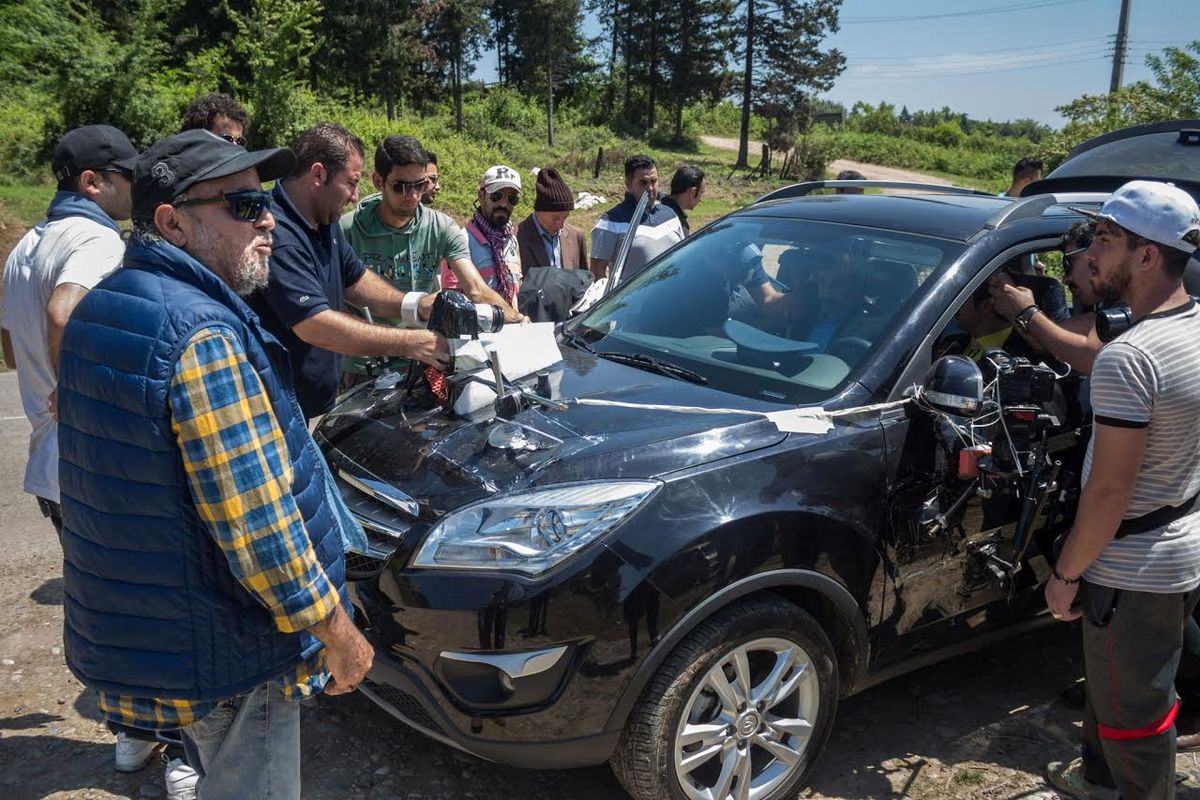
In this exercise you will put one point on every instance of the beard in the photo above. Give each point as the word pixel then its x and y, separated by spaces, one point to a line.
pixel 252 272
pixel 1117 284
pixel 245 272
pixel 499 217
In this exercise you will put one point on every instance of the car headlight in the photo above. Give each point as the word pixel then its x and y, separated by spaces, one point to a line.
pixel 531 531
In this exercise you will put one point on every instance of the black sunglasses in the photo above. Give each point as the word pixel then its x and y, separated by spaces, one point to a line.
pixel 408 187
pixel 244 206
pixel 117 170
pixel 240 141
pixel 512 197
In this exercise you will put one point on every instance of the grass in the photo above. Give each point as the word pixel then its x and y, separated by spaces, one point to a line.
pixel 968 777
pixel 26 204
pixel 728 190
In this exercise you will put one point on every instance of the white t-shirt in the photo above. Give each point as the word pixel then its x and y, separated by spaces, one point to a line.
pixel 69 250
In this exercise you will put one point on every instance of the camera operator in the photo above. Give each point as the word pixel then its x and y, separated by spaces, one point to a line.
pixel 1074 340
pixel 1131 565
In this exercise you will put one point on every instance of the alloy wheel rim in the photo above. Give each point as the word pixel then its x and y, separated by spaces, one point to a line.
pixel 745 729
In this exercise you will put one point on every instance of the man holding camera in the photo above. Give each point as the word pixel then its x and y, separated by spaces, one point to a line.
pixel 1131 565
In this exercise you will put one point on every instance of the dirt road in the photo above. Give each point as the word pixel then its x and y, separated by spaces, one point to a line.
pixel 980 726
pixel 873 172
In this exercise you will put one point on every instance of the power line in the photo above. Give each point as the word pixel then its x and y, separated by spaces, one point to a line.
pixel 1028 6
pixel 1095 41
pixel 935 67
pixel 954 73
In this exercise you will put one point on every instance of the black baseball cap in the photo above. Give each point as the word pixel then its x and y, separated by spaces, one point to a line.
pixel 89 147
pixel 170 167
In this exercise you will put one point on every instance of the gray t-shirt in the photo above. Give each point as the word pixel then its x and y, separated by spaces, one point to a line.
pixel 1150 377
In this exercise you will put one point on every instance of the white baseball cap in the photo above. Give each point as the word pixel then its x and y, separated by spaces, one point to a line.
pixel 1160 212
pixel 500 177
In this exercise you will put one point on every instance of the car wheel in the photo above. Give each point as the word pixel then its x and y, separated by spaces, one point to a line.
pixel 741 709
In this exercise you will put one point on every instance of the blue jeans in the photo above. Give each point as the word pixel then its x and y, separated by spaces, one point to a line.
pixel 248 746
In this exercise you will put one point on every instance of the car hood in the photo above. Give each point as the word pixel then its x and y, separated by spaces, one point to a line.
pixel 446 461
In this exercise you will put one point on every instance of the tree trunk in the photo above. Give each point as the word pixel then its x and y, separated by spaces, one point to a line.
pixel 456 69
pixel 653 99
pixel 390 97
pixel 747 81
pixel 679 121
pixel 550 111
pixel 549 88
pixel 610 94
pixel 628 30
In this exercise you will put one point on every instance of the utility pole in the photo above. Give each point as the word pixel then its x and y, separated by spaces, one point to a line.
pixel 1119 47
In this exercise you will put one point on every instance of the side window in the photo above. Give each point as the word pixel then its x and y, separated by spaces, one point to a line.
pixel 978 326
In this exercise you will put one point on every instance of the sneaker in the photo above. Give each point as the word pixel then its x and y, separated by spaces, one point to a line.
pixel 1067 777
pixel 180 780
pixel 132 754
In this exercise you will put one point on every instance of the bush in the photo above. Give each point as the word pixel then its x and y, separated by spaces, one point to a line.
pixel 27 118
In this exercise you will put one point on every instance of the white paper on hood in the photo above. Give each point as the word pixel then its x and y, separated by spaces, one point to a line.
pixel 523 349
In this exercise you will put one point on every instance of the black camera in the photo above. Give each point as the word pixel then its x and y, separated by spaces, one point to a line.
pixel 1019 382
pixel 454 315
pixel 1112 322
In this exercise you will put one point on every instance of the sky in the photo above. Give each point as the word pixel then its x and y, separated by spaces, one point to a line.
pixel 992 59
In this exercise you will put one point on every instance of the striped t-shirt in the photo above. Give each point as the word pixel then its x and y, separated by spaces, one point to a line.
pixel 1150 377
pixel 657 233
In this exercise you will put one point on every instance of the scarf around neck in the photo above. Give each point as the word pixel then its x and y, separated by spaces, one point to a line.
pixel 73 204
pixel 496 239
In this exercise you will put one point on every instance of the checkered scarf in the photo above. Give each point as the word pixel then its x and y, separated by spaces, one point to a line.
pixel 496 238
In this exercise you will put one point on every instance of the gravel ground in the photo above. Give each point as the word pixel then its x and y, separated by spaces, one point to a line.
pixel 979 726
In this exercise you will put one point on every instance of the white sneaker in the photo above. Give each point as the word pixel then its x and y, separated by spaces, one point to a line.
pixel 132 754
pixel 180 780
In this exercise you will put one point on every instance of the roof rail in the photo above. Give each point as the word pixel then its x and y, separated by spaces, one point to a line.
pixel 801 189
pixel 1035 206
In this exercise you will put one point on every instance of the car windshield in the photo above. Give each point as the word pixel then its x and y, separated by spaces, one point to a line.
pixel 765 307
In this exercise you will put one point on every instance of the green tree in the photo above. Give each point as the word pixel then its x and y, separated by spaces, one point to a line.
pixel 695 51
pixel 277 40
pixel 549 52
pixel 1175 94
pixel 456 33
pixel 784 64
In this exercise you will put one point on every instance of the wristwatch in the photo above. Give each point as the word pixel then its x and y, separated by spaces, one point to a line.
pixel 1022 319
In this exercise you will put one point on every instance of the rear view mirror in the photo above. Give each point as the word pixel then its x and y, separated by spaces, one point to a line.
pixel 953 385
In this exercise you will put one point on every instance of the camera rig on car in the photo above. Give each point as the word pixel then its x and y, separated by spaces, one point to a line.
pixel 1002 447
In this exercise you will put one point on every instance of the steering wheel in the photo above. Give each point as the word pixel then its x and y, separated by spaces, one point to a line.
pixel 850 349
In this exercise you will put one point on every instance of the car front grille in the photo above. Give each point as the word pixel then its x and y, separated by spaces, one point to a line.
pixel 384 525
pixel 402 704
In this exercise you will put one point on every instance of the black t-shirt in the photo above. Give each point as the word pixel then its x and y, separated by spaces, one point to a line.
pixel 310 270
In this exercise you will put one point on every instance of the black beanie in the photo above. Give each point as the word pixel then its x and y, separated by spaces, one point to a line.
pixel 553 194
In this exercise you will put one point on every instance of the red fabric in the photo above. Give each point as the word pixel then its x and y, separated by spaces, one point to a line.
pixel 1153 729
pixel 437 384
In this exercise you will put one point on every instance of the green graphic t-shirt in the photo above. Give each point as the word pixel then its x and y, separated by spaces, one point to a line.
pixel 409 257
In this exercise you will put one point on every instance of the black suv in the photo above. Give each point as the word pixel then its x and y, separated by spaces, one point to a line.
pixel 650 566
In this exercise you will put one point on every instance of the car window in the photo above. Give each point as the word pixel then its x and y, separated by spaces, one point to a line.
pixel 771 308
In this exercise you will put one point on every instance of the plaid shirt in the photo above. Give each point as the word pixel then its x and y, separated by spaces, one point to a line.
pixel 240 478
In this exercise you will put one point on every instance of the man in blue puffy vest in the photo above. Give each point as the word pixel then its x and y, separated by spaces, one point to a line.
pixel 203 558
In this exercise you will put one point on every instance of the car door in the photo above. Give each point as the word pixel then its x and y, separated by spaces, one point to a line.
pixel 952 536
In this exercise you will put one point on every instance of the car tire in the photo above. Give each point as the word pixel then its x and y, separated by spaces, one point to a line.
pixel 682 741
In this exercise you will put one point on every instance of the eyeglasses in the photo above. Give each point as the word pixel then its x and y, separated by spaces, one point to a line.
pixel 116 170
pixel 244 206
pixel 512 198
pixel 240 141
pixel 411 187
pixel 1068 253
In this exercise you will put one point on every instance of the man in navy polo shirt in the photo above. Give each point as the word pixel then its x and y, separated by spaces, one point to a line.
pixel 658 231
pixel 314 273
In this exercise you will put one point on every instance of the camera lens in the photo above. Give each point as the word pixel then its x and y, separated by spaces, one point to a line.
pixel 491 318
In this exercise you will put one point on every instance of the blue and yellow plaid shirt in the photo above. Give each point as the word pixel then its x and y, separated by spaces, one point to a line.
pixel 240 478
